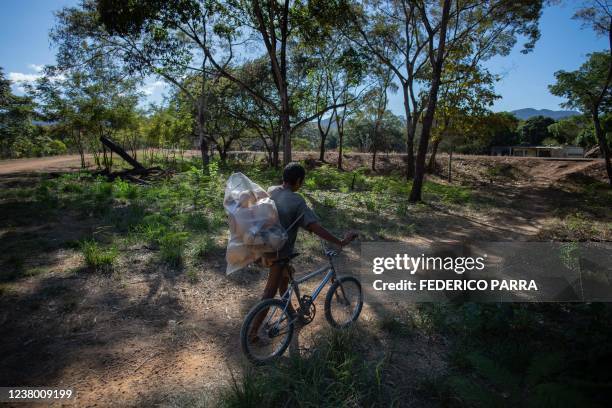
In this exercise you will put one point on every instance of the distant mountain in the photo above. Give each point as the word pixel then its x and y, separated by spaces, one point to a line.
pixel 527 113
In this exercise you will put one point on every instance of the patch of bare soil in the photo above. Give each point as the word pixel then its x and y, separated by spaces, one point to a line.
pixel 43 164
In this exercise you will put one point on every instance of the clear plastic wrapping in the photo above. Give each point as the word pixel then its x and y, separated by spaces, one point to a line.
pixel 253 223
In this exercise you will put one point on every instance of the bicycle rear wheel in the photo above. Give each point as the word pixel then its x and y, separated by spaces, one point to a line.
pixel 343 302
pixel 272 337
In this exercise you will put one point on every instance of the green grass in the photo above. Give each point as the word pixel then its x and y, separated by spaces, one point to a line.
pixel 200 247
pixel 125 190
pixel 395 326
pixel 196 221
pixel 97 258
pixel 488 367
pixel 449 194
pixel 172 247
pixel 334 375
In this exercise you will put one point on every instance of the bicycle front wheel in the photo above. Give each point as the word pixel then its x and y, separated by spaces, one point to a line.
pixel 266 331
pixel 343 302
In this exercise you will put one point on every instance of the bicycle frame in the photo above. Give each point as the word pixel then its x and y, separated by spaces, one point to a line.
pixel 294 284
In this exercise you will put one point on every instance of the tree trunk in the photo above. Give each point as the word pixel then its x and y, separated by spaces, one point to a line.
pixel 222 150
pixel 431 166
pixel 409 136
pixel 450 165
pixel 285 127
pixel 432 100
pixel 275 158
pixel 322 148
pixel 201 123
pixel 79 143
pixel 603 145
pixel 340 128
pixel 201 120
pixel 419 173
pixel 374 160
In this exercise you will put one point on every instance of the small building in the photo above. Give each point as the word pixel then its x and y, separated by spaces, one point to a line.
pixel 538 151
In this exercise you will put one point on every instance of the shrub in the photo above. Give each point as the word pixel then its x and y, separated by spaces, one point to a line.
pixel 448 193
pixel 97 258
pixel 123 189
pixel 203 246
pixel 196 221
pixel 153 227
pixel 172 247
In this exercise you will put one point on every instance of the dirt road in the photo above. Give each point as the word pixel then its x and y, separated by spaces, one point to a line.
pixel 548 168
pixel 43 164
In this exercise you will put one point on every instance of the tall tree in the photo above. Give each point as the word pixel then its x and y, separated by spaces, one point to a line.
pixel 588 89
pixel 379 100
pixel 388 30
pixel 80 103
pixel 534 130
pixel 339 70
pixel 281 27
pixel 423 33
pixel 16 115
pixel 169 39
pixel 465 91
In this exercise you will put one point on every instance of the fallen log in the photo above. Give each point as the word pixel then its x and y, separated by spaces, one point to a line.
pixel 137 170
pixel 122 153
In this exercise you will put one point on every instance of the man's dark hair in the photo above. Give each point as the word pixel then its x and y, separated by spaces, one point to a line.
pixel 293 172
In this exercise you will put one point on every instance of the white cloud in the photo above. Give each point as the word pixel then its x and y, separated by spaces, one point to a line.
pixel 21 77
pixel 36 67
pixel 149 88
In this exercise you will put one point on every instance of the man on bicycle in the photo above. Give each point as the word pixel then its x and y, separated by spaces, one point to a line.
pixel 293 212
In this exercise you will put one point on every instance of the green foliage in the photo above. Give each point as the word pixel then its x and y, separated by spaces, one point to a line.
pixel 97 258
pixel 202 247
pixel 539 386
pixel 334 374
pixel 566 130
pixel 172 247
pixel 196 221
pixel 490 368
pixel 583 87
pixel 328 178
pixel 450 194
pixel 123 189
pixel 153 227
pixel 534 130
pixel 361 131
pixel 35 146
pixel 17 131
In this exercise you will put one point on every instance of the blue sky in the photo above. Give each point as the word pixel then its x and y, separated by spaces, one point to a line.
pixel 24 48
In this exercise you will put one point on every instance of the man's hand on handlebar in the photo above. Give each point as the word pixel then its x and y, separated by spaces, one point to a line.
pixel 318 229
pixel 351 235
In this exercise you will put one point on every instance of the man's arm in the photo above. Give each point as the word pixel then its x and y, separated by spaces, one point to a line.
pixel 319 230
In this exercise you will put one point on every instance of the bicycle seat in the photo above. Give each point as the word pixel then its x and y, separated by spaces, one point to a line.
pixel 331 252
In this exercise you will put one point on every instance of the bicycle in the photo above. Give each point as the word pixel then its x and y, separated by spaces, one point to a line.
pixel 278 323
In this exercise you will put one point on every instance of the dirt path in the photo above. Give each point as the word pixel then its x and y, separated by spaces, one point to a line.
pixel 43 164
